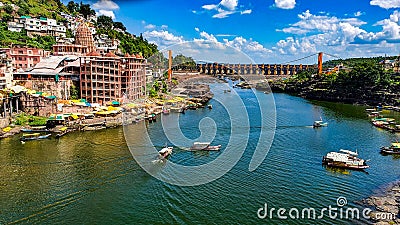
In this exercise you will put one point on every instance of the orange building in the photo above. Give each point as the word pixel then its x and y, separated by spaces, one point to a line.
pixel 25 57
pixel 112 78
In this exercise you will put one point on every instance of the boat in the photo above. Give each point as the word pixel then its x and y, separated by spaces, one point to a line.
pixel 34 136
pixel 370 110
pixel 166 111
pixel 165 152
pixel 344 159
pixel 394 149
pixel 320 123
pixel 178 109
pixel 192 106
pixel 205 146
pixel 62 131
pixel 35 129
pixel 373 114
pixel 210 106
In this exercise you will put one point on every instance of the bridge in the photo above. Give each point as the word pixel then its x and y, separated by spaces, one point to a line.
pixel 284 69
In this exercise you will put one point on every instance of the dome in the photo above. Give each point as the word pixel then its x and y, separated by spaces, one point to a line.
pixel 84 37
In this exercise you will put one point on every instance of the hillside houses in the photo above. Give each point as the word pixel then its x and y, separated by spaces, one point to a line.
pixel 38 26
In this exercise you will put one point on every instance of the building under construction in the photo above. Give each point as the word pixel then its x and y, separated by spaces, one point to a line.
pixel 111 78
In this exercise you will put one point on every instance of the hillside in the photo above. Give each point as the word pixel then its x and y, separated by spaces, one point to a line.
pixel 52 9
pixel 45 8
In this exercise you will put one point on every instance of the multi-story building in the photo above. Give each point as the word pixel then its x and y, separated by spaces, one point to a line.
pixel 54 75
pixel 5 71
pixel 38 26
pixel 105 44
pixel 24 57
pixel 108 78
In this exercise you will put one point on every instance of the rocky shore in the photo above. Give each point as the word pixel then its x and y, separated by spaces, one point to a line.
pixel 385 206
pixel 318 89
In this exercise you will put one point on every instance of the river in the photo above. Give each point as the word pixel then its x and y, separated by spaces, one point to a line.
pixel 92 178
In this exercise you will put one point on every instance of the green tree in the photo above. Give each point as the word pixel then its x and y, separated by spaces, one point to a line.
pixel 119 25
pixel 72 7
pixel 86 11
pixel 74 92
pixel 104 22
pixel 6 17
pixel 8 9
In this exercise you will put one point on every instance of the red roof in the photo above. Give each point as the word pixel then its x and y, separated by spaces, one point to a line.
pixel 93 53
pixel 110 54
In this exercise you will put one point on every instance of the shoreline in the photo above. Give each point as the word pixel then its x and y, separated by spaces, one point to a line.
pixel 385 204
pixel 317 89
pixel 131 113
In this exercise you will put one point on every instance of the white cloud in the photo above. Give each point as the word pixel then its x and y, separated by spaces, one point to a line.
pixel 285 4
pixel 224 8
pixel 229 4
pixel 209 7
pixel 108 13
pixel 386 4
pixel 319 23
pixel 164 26
pixel 390 29
pixel 150 26
pixel 359 13
pixel 197 29
pixel 162 38
pixel 222 14
pixel 105 5
pixel 325 32
pixel 247 11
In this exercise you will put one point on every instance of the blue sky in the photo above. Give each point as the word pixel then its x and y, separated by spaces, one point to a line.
pixel 268 31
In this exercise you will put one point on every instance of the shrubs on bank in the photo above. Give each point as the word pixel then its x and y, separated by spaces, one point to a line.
pixel 24 119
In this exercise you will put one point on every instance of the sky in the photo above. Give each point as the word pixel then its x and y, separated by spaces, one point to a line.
pixel 265 31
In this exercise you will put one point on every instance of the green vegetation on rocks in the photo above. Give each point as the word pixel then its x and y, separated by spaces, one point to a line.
pixel 365 83
pixel 24 119
pixel 9 38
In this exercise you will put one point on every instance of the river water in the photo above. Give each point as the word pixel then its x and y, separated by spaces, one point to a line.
pixel 92 178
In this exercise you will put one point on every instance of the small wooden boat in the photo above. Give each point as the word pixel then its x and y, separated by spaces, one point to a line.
pixel 192 106
pixel 394 149
pixel 34 136
pixel 35 129
pixel 165 152
pixel 344 159
pixel 204 146
pixel 373 114
pixel 319 123
pixel 62 131
pixel 166 111
pixel 151 118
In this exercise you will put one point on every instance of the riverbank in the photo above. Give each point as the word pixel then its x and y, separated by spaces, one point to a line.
pixel 320 89
pixel 385 206
pixel 190 96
